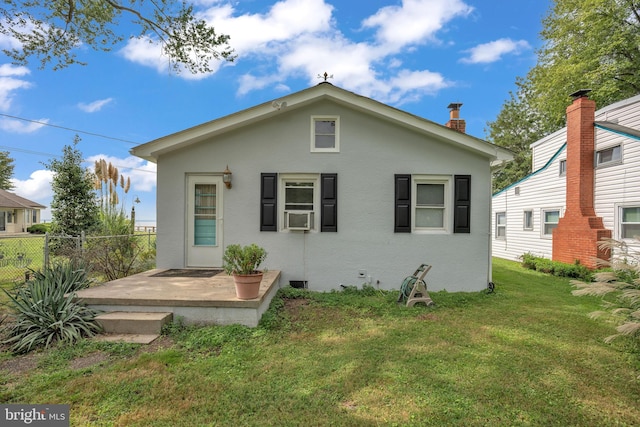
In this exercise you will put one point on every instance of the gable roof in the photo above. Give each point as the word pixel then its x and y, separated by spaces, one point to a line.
pixel 13 201
pixel 152 150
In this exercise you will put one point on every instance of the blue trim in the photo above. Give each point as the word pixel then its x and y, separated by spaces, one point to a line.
pixel 618 132
pixel 557 153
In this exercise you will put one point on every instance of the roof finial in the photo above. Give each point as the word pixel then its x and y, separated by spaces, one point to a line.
pixel 325 76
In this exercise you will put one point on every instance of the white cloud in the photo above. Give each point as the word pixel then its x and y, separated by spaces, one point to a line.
pixel 301 37
pixel 415 21
pixel 20 126
pixel 141 172
pixel 494 51
pixel 37 187
pixel 9 83
pixel 94 106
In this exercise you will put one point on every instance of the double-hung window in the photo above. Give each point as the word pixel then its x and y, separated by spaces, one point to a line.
pixel 550 220
pixel 431 203
pixel 629 222
pixel 325 134
pixel 501 225
pixel 300 195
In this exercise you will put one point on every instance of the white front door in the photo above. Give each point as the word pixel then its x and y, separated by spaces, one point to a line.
pixel 204 221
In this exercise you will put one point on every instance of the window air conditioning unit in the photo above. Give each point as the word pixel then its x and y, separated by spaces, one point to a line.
pixel 298 220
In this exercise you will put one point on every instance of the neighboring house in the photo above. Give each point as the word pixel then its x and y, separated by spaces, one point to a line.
pixel 340 189
pixel 585 187
pixel 17 213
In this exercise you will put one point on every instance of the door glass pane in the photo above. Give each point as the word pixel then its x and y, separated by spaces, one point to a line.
pixel 204 217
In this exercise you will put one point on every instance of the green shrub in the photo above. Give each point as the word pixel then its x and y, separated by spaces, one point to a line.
pixel 38 229
pixel 556 268
pixel 45 312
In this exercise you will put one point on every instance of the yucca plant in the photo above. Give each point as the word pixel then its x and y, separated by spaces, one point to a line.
pixel 45 311
pixel 623 281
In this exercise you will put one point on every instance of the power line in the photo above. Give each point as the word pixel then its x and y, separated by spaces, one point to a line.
pixel 70 129
pixel 40 153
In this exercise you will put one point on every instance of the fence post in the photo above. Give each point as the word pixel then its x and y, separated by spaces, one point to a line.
pixel 46 251
pixel 81 240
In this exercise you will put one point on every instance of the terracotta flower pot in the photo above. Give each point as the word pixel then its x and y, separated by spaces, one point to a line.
pixel 247 285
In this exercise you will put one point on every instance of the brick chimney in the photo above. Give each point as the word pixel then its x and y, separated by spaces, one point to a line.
pixel 455 122
pixel 577 235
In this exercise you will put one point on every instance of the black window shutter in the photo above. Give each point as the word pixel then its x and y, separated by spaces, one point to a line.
pixel 269 202
pixel 329 202
pixel 462 204
pixel 402 204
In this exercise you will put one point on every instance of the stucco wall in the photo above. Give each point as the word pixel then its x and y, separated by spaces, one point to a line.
pixel 371 152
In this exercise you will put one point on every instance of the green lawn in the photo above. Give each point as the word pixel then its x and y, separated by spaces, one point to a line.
pixel 527 354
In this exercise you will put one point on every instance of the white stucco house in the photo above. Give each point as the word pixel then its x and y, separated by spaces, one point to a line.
pixel 339 188
pixel 585 186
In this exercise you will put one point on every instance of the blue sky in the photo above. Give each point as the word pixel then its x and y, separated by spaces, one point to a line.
pixel 416 55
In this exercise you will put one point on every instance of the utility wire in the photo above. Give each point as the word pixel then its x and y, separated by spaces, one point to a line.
pixel 70 129
pixel 40 153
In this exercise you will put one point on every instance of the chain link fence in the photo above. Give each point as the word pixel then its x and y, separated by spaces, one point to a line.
pixel 107 257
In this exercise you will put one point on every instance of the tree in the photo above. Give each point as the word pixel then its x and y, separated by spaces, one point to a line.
pixel 516 127
pixel 52 30
pixel 6 171
pixel 74 207
pixel 592 44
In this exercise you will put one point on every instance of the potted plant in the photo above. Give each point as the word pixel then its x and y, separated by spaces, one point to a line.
pixel 242 263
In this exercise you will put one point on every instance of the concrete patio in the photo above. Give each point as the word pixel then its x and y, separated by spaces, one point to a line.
pixel 196 300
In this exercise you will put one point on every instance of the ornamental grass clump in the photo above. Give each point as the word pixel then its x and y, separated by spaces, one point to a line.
pixel 622 282
pixel 44 310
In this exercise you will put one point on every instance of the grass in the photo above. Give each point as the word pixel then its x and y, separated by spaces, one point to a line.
pixel 527 354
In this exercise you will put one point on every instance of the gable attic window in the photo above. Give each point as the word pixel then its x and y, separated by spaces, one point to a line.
pixel 325 134
pixel 609 156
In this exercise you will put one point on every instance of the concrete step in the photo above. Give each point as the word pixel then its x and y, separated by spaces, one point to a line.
pixel 127 338
pixel 140 323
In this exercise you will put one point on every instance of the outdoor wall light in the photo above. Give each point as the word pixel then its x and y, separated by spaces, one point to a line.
pixel 226 177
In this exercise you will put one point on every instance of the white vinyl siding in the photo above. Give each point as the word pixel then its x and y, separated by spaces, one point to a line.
pixel 615 185
pixel 543 187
